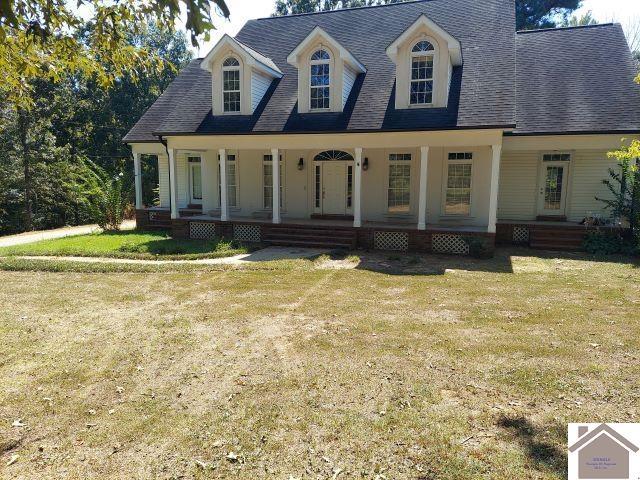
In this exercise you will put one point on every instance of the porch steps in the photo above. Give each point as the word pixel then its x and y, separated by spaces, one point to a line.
pixel 559 238
pixel 310 236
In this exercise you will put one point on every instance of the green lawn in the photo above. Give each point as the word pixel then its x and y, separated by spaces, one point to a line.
pixel 127 244
pixel 420 367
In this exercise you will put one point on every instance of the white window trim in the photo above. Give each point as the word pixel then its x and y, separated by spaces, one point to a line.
pixel 570 164
pixel 283 182
pixel 434 59
pixel 331 70
pixel 237 68
pixel 411 178
pixel 445 177
pixel 190 165
pixel 235 161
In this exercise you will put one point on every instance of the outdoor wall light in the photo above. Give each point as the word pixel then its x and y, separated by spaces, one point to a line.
pixel 365 164
pixel 301 163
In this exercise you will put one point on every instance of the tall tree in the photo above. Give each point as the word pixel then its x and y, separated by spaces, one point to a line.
pixel 532 14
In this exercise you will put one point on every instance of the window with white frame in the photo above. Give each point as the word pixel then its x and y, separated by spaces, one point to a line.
pixel 267 175
pixel 231 85
pixel 421 90
pixel 232 181
pixel 195 178
pixel 399 191
pixel 320 80
pixel 458 188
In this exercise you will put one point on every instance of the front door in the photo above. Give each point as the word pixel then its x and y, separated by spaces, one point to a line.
pixel 334 188
pixel 553 188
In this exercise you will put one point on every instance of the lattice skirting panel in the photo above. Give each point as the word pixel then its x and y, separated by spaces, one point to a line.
pixel 202 230
pixel 391 241
pixel 449 243
pixel 246 233
pixel 520 234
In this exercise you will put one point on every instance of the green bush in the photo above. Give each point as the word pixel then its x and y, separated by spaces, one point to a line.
pixel 605 243
pixel 479 247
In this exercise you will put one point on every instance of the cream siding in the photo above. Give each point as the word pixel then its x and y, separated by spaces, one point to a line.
pixel 347 84
pixel 588 169
pixel 259 86
pixel 163 180
pixel 518 184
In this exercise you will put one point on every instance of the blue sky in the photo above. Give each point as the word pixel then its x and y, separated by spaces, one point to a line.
pixel 622 11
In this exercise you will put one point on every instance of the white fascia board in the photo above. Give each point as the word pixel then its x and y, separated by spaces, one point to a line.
pixel 353 62
pixel 455 50
pixel 250 56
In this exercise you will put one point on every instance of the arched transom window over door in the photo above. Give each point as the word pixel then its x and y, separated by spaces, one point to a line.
pixel 333 155
pixel 231 85
pixel 320 80
pixel 421 91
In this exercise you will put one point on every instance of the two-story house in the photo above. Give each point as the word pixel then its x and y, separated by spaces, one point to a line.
pixel 406 126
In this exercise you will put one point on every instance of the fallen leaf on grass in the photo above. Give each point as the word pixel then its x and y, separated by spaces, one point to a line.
pixel 18 423
pixel 13 459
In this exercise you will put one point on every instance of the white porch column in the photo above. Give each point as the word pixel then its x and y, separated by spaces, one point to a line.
pixel 137 173
pixel 173 183
pixel 209 181
pixel 496 151
pixel 422 198
pixel 357 189
pixel 224 204
pixel 275 169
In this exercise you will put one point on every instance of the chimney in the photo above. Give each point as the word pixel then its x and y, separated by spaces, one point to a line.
pixel 582 429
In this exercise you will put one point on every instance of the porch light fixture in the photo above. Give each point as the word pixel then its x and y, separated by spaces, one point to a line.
pixel 365 164
pixel 301 163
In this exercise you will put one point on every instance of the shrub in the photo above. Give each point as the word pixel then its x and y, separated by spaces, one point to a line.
pixel 479 247
pixel 604 243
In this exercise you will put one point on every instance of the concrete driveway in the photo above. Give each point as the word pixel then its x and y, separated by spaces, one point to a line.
pixel 30 237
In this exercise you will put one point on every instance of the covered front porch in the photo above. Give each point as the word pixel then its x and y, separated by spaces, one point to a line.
pixel 408 182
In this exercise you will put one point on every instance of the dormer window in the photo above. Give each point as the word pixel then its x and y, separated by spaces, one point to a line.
pixel 231 84
pixel 422 57
pixel 320 80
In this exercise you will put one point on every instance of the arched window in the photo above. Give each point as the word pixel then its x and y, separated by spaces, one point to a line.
pixel 231 85
pixel 421 91
pixel 320 80
pixel 329 155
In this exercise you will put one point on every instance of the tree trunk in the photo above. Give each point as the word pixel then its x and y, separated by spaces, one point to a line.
pixel 23 130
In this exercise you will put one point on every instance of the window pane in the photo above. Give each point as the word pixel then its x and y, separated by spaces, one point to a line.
pixel 196 182
pixel 458 193
pixel 399 196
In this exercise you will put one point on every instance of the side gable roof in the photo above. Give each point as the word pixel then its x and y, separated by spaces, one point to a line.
pixel 482 91
pixel 576 80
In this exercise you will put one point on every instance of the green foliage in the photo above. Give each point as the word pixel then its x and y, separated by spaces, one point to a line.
pixel 530 14
pixel 624 185
pixel 608 243
pixel 44 40
pixel 584 20
pixel 44 152
pixel 479 247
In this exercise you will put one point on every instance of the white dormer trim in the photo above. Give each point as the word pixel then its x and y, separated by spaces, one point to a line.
pixel 454 47
pixel 343 69
pixel 294 57
pixel 446 54
pixel 252 58
pixel 256 74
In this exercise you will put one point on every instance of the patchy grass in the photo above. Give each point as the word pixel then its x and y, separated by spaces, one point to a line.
pixel 435 368
pixel 128 244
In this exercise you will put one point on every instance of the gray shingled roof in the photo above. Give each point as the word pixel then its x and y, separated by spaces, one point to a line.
pixel 565 81
pixel 576 80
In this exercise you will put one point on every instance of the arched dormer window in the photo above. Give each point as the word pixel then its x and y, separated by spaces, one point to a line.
pixel 421 89
pixel 231 85
pixel 320 80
